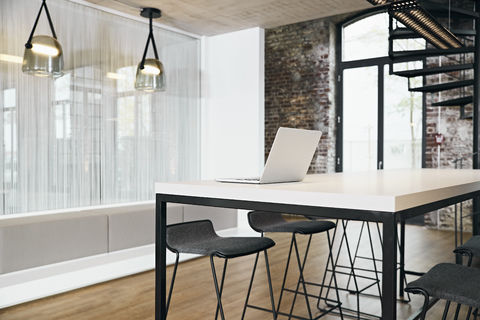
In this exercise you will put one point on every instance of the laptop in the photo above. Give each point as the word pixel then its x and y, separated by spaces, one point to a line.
pixel 291 154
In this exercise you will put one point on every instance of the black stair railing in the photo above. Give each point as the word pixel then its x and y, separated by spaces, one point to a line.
pixel 455 65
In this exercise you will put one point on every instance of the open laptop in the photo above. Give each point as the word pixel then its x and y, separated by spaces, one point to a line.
pixel 291 154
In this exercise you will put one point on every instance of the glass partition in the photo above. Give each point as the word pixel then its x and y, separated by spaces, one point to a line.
pixel 89 138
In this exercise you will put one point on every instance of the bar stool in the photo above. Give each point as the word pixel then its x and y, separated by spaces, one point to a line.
pixel 451 282
pixel 199 237
pixel 263 221
pixel 471 249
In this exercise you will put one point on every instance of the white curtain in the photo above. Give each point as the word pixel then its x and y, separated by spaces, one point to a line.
pixel 89 138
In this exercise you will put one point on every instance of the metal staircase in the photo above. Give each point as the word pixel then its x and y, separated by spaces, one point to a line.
pixel 447 74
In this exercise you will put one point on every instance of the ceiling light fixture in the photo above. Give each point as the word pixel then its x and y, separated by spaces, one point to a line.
pixel 150 72
pixel 43 54
pixel 413 16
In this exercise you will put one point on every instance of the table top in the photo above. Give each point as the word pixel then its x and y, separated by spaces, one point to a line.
pixel 382 190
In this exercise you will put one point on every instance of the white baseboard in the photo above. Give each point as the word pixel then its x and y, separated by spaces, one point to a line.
pixel 31 284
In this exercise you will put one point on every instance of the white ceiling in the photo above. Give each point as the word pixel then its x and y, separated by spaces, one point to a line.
pixel 213 17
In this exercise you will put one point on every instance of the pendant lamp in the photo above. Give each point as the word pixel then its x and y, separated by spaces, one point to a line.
pixel 150 72
pixel 43 54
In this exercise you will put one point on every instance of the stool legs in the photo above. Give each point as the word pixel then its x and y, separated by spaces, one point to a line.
pixel 376 280
pixel 177 256
pixel 218 290
pixel 219 287
pixel 334 278
pixel 351 272
pixel 267 264
pixel 301 282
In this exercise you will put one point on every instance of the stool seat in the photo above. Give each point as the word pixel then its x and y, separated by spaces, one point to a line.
pixel 199 237
pixel 451 282
pixel 263 221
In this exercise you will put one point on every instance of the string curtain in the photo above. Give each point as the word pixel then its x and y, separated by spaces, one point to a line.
pixel 88 137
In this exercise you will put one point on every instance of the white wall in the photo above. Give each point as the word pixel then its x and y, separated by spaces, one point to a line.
pixel 233 104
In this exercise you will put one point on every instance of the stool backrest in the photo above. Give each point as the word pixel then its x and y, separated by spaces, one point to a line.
pixel 189 232
pixel 259 220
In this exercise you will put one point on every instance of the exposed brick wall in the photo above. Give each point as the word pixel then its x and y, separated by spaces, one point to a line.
pixel 299 91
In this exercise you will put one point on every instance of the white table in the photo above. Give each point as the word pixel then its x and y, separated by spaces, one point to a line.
pixel 387 196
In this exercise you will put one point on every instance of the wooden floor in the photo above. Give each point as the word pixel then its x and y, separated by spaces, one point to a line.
pixel 194 298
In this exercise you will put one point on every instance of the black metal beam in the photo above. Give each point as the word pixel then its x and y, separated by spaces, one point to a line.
pixel 454 102
pixel 433 70
pixel 401 56
pixel 476 120
pixel 436 9
pixel 444 86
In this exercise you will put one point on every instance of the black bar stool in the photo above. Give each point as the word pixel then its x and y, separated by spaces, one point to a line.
pixel 451 282
pixel 199 237
pixel 263 221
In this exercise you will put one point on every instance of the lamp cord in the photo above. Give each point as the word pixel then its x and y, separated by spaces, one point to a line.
pixel 28 45
pixel 49 20
pixel 153 39
pixel 150 37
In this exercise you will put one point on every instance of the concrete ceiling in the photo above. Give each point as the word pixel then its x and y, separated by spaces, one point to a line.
pixel 214 17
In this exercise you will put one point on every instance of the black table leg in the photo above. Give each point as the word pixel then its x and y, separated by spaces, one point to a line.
pixel 389 274
pixel 402 259
pixel 160 260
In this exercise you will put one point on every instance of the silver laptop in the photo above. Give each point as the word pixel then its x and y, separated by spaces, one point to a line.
pixel 291 154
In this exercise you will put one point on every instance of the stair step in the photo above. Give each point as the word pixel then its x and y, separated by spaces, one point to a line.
pixel 464 32
pixel 433 70
pixel 443 86
pixel 454 102
pixel 439 9
pixel 405 33
pixel 401 56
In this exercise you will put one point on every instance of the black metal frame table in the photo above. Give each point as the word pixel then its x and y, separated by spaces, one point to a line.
pixel 388 196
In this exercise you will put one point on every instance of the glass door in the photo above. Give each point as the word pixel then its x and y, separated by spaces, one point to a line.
pixel 360 119
pixel 402 122
pixel 382 120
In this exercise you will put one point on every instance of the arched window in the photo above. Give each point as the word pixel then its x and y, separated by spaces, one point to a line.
pixel 380 121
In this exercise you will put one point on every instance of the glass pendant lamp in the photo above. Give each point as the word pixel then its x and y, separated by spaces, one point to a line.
pixel 43 54
pixel 150 72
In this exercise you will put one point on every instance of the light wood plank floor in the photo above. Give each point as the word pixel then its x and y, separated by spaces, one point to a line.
pixel 194 298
